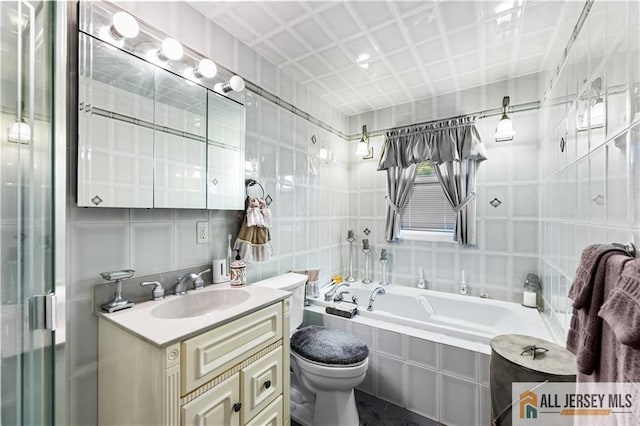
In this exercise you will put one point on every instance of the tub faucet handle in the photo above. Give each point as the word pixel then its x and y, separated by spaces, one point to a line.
pixel 158 291
pixel 340 296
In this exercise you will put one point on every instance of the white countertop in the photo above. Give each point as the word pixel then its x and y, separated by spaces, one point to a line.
pixel 139 321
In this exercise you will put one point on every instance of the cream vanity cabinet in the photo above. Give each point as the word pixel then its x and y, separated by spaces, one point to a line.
pixel 234 374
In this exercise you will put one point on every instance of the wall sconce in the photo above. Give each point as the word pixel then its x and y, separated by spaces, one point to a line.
pixel 595 115
pixel 363 146
pixel 505 131
pixel 123 26
pixel 20 132
pixel 235 83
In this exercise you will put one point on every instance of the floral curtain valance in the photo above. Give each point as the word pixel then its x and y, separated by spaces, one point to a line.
pixel 449 140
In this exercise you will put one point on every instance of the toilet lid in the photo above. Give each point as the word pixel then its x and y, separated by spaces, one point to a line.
pixel 326 346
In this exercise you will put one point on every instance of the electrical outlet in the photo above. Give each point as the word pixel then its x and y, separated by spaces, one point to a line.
pixel 202 232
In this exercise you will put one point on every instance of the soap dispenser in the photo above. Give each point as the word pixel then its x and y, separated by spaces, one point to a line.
pixel 238 273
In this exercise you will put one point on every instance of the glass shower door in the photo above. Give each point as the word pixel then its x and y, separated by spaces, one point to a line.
pixel 26 213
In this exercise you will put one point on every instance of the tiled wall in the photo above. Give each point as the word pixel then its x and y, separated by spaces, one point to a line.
pixel 507 244
pixel 590 192
pixel 309 208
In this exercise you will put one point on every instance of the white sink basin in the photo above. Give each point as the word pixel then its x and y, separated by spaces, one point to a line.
pixel 199 303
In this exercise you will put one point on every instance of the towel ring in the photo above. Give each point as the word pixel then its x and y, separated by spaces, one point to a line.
pixel 252 182
pixel 630 248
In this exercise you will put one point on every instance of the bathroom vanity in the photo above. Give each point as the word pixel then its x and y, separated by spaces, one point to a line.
pixel 157 365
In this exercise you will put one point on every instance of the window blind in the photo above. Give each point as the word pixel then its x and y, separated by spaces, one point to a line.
pixel 428 209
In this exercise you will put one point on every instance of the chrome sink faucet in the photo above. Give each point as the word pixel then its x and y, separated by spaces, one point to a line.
pixel 340 296
pixel 378 290
pixel 184 281
pixel 328 296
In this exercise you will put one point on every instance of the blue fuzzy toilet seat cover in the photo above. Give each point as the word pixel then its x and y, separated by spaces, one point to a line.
pixel 326 346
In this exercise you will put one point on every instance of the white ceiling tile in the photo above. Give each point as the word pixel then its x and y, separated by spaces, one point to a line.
pixel 360 46
pixel 402 60
pixel 318 44
pixel 389 38
pixel 463 41
pixel 371 13
pixel 333 82
pixel 314 65
pixel 457 14
pixel 377 69
pixel 412 78
pixel 421 26
pixel 444 86
pixel 296 72
pixel 368 91
pixel 339 22
pixel 312 33
pixel 540 16
pixel 466 63
pixel 431 51
pixel 389 84
pixel 266 49
pixel 438 70
pixel 254 17
pixel 285 11
pixel 288 45
pixel 499 53
pixel 336 57
pixel 411 6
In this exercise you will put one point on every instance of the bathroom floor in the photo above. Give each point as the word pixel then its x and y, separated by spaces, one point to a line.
pixel 376 412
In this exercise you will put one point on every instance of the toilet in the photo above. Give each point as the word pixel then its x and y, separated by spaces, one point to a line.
pixel 326 364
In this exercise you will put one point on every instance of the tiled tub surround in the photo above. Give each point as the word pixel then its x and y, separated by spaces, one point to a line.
pixel 591 191
pixel 309 208
pixel 507 244
pixel 438 366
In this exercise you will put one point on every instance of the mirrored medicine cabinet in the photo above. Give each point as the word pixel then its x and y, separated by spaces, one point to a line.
pixel 147 136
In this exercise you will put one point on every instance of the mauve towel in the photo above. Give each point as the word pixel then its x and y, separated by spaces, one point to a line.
pixel 582 286
pixel 622 309
pixel 584 336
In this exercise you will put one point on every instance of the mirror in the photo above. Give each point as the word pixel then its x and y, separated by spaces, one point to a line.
pixel 180 142
pixel 115 127
pixel 149 138
pixel 225 153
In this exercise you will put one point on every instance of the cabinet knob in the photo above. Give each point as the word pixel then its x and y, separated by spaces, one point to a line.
pixel 267 384
pixel 237 406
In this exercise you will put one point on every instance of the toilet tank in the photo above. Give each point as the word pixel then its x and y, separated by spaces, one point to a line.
pixel 294 283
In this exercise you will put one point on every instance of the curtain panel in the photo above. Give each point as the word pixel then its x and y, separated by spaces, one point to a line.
pixel 455 149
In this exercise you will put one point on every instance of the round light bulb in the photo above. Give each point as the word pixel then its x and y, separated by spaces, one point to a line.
pixel 207 68
pixel 106 34
pixel 171 49
pixel 125 25
pixel 237 83
pixel 218 88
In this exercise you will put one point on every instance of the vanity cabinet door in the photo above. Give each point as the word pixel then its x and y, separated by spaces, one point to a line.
pixel 261 383
pixel 270 416
pixel 219 406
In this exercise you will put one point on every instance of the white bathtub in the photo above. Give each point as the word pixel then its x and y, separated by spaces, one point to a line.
pixel 428 350
pixel 462 318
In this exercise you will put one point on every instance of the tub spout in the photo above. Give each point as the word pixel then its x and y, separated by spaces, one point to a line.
pixel 378 290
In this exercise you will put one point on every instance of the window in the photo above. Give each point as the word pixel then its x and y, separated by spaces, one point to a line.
pixel 428 210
